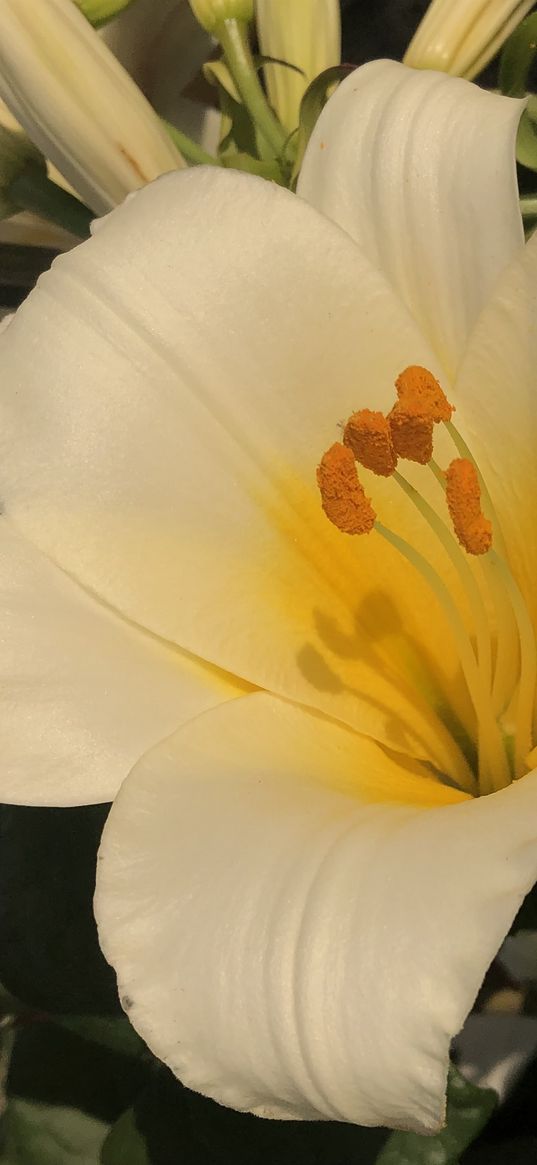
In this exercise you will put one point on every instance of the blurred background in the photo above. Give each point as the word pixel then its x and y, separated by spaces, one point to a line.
pixel 382 28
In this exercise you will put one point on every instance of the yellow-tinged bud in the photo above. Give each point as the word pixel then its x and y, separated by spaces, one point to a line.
pixel 461 36
pixel 211 13
pixel 99 12
pixel 305 34
pixel 78 104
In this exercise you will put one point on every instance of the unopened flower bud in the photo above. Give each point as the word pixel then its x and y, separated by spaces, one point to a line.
pixel 461 36
pixel 306 35
pixel 78 104
pixel 99 12
pixel 211 13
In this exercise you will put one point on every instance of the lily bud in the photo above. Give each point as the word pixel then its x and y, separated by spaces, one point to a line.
pixel 305 34
pixel 461 36
pixel 99 12
pixel 211 13
pixel 78 104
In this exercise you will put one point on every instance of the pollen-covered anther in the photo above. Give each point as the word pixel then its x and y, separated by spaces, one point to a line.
pixel 411 433
pixel 343 498
pixel 369 436
pixel 463 495
pixel 420 394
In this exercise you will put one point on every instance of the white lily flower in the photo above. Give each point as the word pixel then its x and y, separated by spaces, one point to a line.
pixel 305 34
pixel 78 104
pixel 299 888
pixel 462 36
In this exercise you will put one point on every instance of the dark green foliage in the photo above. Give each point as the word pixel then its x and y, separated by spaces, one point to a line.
pixel 50 957
pixel 181 1127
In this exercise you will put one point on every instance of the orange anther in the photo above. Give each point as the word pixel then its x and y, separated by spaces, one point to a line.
pixel 412 436
pixel 420 394
pixel 463 495
pixel 343 498
pixel 369 436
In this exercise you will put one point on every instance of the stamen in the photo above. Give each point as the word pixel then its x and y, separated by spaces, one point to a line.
pixel 422 404
pixel 493 768
pixel 343 498
pixel 507 654
pixel 420 394
pixel 463 495
pixel 528 667
pixel 368 434
pixel 464 451
pixel 412 436
pixel 461 564
pixel 507 661
pixel 376 441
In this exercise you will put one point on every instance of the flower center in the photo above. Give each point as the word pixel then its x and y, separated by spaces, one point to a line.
pixel 499 664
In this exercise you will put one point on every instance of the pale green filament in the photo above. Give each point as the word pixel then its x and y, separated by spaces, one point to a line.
pixel 496 570
pixel 528 666
pixel 493 766
pixel 506 662
pixel 453 550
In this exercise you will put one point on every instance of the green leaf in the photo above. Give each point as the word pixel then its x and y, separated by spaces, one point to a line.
pixel 217 73
pixel 312 105
pixel 116 1034
pixel 124 1145
pixel 183 1128
pixel 50 958
pixel 238 130
pixel 268 170
pixel 526 919
pixel 56 1067
pixel 260 61
pixel 16 150
pixel 526 142
pixel 99 12
pixel 194 154
pixel 42 1134
pixel 517 58
pixel 468 1111
pixel 31 189
pixel 239 133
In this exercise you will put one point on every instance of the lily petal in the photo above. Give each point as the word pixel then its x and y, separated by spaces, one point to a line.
pixel 162 419
pixel 267 974
pixel 390 162
pixel 83 694
pixel 495 396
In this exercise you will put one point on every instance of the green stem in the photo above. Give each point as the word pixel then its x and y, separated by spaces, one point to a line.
pixel 32 190
pixel 189 149
pixel 233 37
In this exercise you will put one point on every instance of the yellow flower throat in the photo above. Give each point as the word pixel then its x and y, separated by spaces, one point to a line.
pixel 500 669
